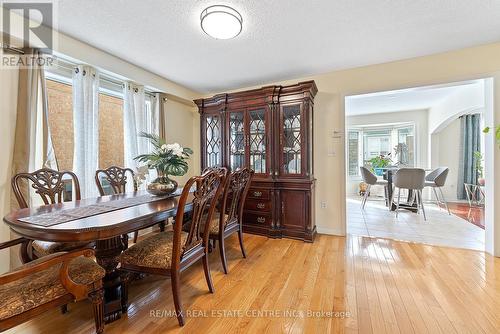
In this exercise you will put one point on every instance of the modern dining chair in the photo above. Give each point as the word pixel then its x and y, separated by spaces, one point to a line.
pixel 50 185
pixel 118 178
pixel 229 217
pixel 49 282
pixel 171 252
pixel 370 179
pixel 436 180
pixel 412 179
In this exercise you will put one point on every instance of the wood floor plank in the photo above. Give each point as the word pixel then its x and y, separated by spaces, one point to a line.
pixel 384 286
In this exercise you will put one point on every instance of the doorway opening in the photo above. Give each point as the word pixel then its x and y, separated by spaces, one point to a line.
pixel 435 128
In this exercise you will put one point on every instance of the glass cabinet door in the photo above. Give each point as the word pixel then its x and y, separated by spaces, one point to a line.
pixel 257 140
pixel 291 139
pixel 237 140
pixel 213 141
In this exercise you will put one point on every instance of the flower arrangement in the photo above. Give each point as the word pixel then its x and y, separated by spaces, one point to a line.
pixel 168 160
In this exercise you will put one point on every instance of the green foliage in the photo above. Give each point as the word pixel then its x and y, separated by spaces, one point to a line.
pixel 166 159
pixel 497 133
pixel 478 163
pixel 380 161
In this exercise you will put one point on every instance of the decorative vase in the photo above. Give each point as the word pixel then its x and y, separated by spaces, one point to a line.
pixel 378 171
pixel 162 186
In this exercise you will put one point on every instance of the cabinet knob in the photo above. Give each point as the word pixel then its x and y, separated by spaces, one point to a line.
pixel 261 205
pixel 261 219
pixel 257 193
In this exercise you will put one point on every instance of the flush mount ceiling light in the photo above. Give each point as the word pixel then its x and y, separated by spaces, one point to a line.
pixel 221 22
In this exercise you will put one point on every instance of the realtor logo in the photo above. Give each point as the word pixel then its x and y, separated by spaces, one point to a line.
pixel 27 25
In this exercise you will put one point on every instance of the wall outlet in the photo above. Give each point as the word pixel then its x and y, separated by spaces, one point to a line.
pixel 323 204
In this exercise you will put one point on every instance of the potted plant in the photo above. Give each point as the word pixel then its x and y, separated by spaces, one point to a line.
pixel 478 166
pixel 168 160
pixel 380 162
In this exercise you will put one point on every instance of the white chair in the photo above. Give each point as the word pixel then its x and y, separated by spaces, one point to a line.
pixel 370 179
pixel 410 179
pixel 437 179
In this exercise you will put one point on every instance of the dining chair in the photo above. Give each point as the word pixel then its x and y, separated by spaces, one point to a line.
pixel 228 219
pixel 50 282
pixel 436 180
pixel 370 179
pixel 171 252
pixel 412 179
pixel 50 185
pixel 118 179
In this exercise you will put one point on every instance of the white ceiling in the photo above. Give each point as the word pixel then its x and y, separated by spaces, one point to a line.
pixel 281 39
pixel 419 98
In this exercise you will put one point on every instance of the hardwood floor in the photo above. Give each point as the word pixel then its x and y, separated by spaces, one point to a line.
pixel 382 285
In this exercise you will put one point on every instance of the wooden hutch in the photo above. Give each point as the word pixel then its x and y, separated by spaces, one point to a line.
pixel 270 130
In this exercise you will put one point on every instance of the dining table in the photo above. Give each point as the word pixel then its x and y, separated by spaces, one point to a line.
pixel 410 204
pixel 103 220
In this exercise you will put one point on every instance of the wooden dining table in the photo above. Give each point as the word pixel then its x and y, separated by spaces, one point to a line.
pixel 105 229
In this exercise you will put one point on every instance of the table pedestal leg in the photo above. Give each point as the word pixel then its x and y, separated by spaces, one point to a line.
pixel 107 255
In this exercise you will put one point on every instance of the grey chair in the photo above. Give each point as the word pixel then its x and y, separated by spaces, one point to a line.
pixel 370 179
pixel 436 180
pixel 410 179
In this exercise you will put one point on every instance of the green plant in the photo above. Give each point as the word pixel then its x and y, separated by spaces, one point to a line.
pixel 478 163
pixel 167 159
pixel 497 133
pixel 380 161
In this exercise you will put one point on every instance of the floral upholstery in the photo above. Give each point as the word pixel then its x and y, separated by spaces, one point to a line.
pixel 45 286
pixel 44 248
pixel 214 225
pixel 152 252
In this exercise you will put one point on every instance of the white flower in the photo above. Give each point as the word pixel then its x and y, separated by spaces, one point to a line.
pixel 164 147
pixel 175 148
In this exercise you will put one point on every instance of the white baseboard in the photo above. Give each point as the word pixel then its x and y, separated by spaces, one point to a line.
pixel 329 231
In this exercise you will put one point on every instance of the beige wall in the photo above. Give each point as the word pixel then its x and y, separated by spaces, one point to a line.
pixel 444 154
pixel 466 64
pixel 182 125
pixel 8 98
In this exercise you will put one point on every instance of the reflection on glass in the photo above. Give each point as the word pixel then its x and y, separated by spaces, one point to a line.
pixel 213 141
pixel 257 141
pixel 291 140
pixel 236 141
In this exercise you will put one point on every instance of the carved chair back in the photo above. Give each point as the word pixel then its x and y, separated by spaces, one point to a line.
pixel 117 178
pixel 233 199
pixel 209 187
pixel 47 183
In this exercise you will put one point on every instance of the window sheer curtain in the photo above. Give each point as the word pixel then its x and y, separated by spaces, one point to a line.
pixel 33 146
pixel 86 127
pixel 134 122
pixel 470 134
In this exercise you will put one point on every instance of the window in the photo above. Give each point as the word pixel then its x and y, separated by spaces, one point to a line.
pixel 367 142
pixel 353 150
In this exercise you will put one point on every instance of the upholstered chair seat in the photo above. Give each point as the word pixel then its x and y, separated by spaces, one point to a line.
pixel 44 248
pixel 45 286
pixel 152 252
pixel 214 225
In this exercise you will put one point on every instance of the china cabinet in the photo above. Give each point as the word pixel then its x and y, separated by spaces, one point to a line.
pixel 269 130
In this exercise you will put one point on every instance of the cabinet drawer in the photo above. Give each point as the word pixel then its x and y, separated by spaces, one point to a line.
pixel 256 219
pixel 258 205
pixel 258 193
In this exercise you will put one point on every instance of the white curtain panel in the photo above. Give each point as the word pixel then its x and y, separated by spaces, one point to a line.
pixel 86 127
pixel 135 121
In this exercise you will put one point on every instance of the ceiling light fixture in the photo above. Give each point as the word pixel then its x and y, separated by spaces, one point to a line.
pixel 221 22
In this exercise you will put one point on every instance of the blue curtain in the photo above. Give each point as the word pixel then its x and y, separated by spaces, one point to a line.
pixel 470 142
